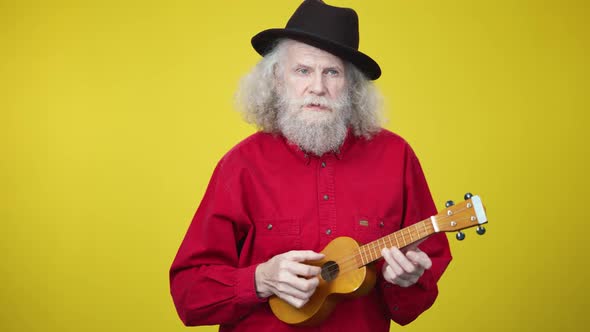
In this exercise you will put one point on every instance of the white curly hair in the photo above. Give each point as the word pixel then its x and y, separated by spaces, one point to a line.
pixel 258 100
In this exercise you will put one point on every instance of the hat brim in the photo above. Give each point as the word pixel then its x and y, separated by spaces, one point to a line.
pixel 265 40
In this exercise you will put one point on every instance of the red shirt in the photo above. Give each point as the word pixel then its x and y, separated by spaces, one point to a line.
pixel 267 197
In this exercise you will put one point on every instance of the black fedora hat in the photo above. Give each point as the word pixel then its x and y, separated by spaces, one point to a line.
pixel 332 29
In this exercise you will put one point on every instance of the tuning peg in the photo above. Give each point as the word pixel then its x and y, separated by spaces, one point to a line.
pixel 449 203
pixel 468 196
pixel 460 236
pixel 480 230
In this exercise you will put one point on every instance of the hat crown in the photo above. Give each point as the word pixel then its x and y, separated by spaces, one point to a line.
pixel 332 29
pixel 340 25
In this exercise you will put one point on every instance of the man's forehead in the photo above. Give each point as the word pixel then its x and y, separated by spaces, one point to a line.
pixel 298 51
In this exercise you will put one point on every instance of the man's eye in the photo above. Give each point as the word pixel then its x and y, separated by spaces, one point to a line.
pixel 304 71
pixel 332 72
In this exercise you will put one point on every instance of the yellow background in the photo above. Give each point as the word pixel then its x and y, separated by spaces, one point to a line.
pixel 114 113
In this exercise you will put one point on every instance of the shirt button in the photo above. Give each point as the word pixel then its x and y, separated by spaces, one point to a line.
pixel 269 227
pixel 382 224
pixel 328 231
pixel 323 164
pixel 326 197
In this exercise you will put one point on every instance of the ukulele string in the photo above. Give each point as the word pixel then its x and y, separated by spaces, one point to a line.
pixel 349 262
pixel 372 246
pixel 354 261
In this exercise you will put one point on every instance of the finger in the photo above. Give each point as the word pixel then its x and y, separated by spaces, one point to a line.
pixel 294 301
pixel 392 273
pixel 392 263
pixel 303 270
pixel 420 258
pixel 387 255
pixel 391 268
pixel 290 290
pixel 304 255
pixel 300 276
pixel 402 260
pixel 403 279
pixel 407 278
pixel 298 287
pixel 303 284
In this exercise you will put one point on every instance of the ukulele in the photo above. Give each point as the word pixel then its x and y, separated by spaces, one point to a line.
pixel 346 271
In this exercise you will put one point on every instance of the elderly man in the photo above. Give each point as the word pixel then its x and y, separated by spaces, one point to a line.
pixel 320 168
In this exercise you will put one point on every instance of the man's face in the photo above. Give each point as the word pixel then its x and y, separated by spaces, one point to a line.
pixel 314 104
pixel 309 72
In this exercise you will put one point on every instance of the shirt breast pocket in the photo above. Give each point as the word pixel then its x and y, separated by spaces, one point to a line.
pixel 275 236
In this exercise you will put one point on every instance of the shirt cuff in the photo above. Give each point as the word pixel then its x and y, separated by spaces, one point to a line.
pixel 246 286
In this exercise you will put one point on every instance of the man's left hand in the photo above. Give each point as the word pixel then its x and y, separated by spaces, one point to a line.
pixel 404 268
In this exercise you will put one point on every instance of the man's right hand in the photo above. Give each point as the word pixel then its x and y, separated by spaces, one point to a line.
pixel 288 278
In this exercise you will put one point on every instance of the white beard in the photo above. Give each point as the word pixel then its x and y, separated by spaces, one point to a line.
pixel 316 132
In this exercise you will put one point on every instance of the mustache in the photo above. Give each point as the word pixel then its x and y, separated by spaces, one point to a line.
pixel 317 101
pixel 299 102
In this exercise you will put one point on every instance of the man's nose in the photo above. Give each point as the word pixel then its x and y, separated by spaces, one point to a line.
pixel 318 86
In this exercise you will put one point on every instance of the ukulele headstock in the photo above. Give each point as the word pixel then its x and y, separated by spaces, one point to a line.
pixel 456 217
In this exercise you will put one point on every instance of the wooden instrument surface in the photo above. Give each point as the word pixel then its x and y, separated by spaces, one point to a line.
pixel 346 269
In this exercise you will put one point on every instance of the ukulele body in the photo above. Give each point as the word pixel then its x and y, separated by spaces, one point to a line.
pixel 336 283
pixel 347 270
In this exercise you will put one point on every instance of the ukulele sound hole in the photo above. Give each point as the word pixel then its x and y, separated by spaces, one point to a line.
pixel 330 271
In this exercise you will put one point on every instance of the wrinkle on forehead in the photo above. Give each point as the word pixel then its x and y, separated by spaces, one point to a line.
pixel 309 55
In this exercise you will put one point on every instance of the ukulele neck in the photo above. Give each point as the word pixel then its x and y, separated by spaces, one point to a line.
pixel 371 251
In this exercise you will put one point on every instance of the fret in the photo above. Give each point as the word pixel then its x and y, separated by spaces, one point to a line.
pixel 403 238
pixel 375 250
pixel 400 239
pixel 406 231
pixel 361 255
